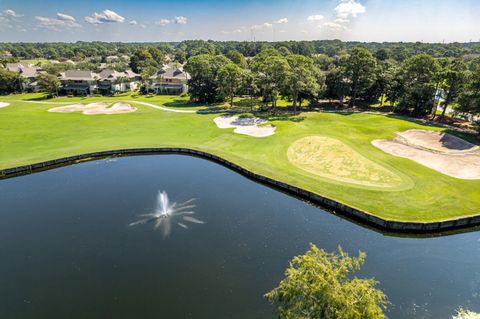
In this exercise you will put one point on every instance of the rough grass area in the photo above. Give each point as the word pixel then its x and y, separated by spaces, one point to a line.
pixel 330 158
pixel 29 133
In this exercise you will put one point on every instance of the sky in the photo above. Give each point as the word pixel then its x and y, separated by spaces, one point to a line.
pixel 265 20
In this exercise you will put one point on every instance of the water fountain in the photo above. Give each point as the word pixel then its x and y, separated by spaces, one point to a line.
pixel 166 214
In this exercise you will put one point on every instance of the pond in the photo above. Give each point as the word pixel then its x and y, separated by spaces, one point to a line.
pixel 70 247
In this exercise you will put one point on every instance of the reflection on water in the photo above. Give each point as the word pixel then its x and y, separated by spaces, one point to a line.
pixel 166 214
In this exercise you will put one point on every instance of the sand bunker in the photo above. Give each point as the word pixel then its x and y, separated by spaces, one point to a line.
pixel 245 126
pixel 117 108
pixel 333 159
pixel 436 141
pixel 95 108
pixel 440 151
pixel 3 104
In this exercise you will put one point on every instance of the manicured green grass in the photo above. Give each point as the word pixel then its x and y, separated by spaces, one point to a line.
pixel 28 133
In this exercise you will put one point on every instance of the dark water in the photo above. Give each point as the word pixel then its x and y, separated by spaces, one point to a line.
pixel 67 250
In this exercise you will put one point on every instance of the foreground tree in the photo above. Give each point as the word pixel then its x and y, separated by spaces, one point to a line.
pixel 49 83
pixel 237 58
pixel 385 73
pixel 10 82
pixel 336 84
pixel 302 79
pixel 359 70
pixel 230 77
pixel 418 85
pixel 204 82
pixel 272 71
pixel 466 314
pixel 394 84
pixel 318 285
pixel 469 100
pixel 455 76
pixel 272 78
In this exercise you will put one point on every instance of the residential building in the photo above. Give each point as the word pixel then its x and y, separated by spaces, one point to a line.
pixel 112 58
pixel 171 79
pixel 78 82
pixel 111 81
pixel 28 72
pixel 6 55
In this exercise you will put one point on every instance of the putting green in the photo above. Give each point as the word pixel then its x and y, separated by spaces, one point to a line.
pixel 333 159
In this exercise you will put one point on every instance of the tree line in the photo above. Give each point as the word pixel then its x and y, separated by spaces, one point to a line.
pixel 411 77
pixel 398 51
pixel 415 86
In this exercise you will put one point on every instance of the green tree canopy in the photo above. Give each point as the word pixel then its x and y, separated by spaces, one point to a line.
pixel 237 58
pixel 303 78
pixel 359 70
pixel 469 100
pixel 272 69
pixel 336 84
pixel 319 285
pixel 419 73
pixel 455 77
pixel 49 83
pixel 230 77
pixel 204 83
pixel 10 82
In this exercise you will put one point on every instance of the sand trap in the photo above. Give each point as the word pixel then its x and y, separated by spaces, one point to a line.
pixel 436 141
pixel 95 108
pixel 68 109
pixel 440 151
pixel 245 126
pixel 3 104
pixel 331 158
pixel 117 108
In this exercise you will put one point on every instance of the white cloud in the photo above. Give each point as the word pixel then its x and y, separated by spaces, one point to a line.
pixel 133 22
pixel 65 17
pixel 163 22
pixel 56 23
pixel 266 25
pixel 107 16
pixel 10 13
pixel 335 26
pixel 315 18
pixel 7 17
pixel 281 21
pixel 180 20
pixel 349 8
pixel 340 20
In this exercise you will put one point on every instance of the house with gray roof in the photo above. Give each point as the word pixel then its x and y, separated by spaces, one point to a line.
pixel 111 81
pixel 171 79
pixel 28 72
pixel 79 82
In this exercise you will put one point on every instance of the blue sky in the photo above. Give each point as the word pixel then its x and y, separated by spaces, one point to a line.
pixel 149 20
